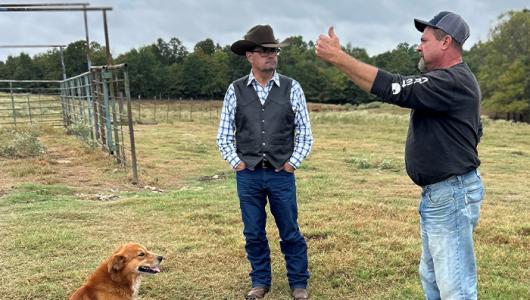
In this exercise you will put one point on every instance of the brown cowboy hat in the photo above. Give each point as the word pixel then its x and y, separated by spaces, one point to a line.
pixel 259 35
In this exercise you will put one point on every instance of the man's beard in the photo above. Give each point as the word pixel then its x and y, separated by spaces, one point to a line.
pixel 269 68
pixel 421 65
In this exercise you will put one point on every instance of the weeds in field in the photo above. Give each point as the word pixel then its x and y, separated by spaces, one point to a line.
pixel 82 131
pixel 19 142
pixel 374 163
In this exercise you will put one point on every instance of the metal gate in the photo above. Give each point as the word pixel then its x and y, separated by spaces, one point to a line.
pixel 30 101
pixel 97 106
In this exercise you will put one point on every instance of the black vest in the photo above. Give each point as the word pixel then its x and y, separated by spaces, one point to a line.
pixel 264 132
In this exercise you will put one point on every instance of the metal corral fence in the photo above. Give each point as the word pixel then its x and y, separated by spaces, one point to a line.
pixel 97 106
pixel 30 101
pixel 152 111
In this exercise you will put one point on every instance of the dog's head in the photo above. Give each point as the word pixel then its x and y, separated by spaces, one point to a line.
pixel 131 260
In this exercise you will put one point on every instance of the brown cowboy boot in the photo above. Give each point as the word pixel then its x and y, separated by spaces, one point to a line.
pixel 299 294
pixel 257 292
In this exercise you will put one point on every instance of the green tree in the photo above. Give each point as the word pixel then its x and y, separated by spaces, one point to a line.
pixel 196 75
pixel 175 84
pixel 3 70
pixel 504 70
pixel 75 57
pixel 207 47
pixel 49 64
pixel 25 69
pixel 352 93
pixel 511 98
pixel 170 52
pixel 299 62
pixel 220 74
pixel 146 74
pixel 238 66
pixel 402 60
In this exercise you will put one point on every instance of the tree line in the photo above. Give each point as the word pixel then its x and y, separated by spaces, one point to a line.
pixel 168 69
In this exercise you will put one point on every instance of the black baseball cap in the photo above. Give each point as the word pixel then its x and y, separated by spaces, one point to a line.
pixel 449 22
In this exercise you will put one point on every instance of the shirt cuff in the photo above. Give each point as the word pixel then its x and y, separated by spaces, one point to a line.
pixel 294 163
pixel 234 161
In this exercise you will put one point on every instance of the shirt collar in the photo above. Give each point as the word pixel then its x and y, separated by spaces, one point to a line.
pixel 275 78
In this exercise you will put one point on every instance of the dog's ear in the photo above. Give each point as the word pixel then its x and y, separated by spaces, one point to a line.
pixel 116 263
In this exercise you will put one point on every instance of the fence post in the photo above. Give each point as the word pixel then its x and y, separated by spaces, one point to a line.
pixel 80 100
pixel 180 109
pixel 131 130
pixel 115 122
pixel 13 103
pixel 89 105
pixel 100 107
pixel 122 118
pixel 106 108
pixel 29 111
pixel 95 109
pixel 40 105
pixel 139 109
pixel 167 112
pixel 154 117
pixel 62 88
pixel 67 103
pixel 216 112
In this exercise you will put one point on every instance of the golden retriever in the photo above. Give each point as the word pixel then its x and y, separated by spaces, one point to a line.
pixel 119 276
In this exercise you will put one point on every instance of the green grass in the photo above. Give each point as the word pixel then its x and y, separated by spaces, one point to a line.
pixel 357 209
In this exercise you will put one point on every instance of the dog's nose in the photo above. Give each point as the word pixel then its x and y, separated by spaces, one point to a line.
pixel 160 258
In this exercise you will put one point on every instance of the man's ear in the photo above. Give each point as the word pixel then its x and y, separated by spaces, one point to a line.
pixel 448 40
pixel 116 263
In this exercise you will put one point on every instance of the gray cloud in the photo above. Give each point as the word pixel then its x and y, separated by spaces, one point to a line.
pixel 377 25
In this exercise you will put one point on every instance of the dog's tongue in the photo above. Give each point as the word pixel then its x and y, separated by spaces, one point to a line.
pixel 156 269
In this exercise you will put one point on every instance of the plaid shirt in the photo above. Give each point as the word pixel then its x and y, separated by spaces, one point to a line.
pixel 303 138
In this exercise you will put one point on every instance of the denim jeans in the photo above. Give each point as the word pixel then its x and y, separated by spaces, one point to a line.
pixel 449 211
pixel 254 188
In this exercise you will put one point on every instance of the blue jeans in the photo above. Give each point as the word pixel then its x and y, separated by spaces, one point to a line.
pixel 253 189
pixel 449 211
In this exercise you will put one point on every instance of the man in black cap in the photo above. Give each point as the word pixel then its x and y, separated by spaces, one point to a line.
pixel 264 134
pixel 441 150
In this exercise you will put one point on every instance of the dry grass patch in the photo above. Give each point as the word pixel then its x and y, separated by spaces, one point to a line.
pixel 361 224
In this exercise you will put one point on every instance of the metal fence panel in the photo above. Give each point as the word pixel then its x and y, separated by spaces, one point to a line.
pixel 97 105
pixel 30 102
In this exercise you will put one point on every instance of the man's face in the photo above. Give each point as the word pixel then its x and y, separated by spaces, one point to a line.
pixel 263 59
pixel 430 50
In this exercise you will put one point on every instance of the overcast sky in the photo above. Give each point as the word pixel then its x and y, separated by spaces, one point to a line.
pixel 377 25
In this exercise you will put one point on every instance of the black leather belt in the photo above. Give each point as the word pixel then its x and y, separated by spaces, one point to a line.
pixel 264 164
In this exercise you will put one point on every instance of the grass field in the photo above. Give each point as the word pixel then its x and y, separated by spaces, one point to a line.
pixel 357 210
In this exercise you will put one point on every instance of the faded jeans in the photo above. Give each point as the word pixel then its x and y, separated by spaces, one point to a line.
pixel 449 211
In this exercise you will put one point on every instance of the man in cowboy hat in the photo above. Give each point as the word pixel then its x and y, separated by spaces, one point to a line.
pixel 441 150
pixel 264 134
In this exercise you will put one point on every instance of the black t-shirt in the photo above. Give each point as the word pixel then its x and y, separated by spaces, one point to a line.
pixel 445 126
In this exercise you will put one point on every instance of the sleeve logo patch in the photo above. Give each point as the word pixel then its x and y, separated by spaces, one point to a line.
pixel 396 87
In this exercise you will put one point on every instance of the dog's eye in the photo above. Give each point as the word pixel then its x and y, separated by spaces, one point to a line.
pixel 141 254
